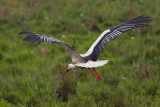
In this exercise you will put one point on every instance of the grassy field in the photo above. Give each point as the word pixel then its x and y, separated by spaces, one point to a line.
pixel 32 76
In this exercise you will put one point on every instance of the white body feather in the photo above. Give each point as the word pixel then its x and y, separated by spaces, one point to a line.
pixel 92 64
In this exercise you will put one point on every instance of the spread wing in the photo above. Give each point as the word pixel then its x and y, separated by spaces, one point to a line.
pixel 37 38
pixel 108 35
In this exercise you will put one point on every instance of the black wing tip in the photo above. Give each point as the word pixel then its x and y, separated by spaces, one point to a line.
pixel 25 31
pixel 141 19
pixel 143 16
pixel 31 37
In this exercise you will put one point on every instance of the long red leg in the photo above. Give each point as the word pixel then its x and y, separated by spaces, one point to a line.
pixel 92 72
pixel 97 76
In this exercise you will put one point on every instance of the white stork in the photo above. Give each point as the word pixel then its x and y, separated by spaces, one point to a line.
pixel 89 59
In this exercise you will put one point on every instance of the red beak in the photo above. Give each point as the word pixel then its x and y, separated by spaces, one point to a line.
pixel 66 71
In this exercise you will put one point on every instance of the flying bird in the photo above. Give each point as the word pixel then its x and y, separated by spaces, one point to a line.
pixel 89 59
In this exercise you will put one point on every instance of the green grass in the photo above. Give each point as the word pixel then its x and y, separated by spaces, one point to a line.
pixel 32 75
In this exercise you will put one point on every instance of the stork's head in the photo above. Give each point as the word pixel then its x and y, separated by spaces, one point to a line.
pixel 70 66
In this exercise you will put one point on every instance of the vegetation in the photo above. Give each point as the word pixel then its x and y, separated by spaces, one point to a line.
pixel 32 75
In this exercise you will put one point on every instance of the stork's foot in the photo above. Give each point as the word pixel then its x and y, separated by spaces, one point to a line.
pixel 98 77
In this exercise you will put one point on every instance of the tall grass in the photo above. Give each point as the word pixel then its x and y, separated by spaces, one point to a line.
pixel 32 75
